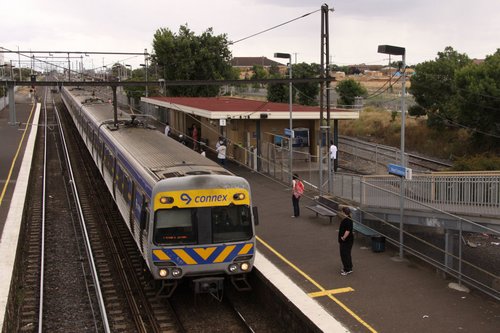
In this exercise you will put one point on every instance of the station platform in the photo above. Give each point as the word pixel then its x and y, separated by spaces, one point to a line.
pixel 383 294
pixel 18 141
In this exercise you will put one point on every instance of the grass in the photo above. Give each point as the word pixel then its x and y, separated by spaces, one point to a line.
pixel 384 127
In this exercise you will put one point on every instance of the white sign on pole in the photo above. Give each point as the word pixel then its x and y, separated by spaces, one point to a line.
pixel 222 122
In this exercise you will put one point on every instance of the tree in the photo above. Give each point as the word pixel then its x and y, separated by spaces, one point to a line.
pixel 277 92
pixel 258 73
pixel 136 92
pixel 306 92
pixel 185 56
pixel 433 85
pixel 348 90
pixel 478 100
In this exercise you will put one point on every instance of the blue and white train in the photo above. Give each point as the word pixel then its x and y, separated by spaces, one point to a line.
pixel 190 217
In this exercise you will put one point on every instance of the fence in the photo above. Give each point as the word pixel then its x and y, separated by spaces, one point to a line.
pixel 454 244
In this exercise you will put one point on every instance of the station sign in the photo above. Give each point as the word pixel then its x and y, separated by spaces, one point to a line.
pixel 400 171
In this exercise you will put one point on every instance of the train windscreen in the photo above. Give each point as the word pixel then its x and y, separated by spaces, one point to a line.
pixel 182 226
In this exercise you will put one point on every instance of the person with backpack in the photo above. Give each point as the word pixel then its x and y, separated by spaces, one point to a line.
pixel 297 192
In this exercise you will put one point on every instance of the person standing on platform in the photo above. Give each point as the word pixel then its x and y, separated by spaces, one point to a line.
pixel 219 142
pixel 333 154
pixel 297 191
pixel 221 153
pixel 346 241
pixel 167 129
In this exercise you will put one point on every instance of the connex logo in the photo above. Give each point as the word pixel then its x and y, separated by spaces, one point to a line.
pixel 186 198
pixel 204 199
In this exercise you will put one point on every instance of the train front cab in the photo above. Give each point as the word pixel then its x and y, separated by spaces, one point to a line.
pixel 202 235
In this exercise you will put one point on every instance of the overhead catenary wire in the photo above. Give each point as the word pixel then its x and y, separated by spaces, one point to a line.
pixel 272 28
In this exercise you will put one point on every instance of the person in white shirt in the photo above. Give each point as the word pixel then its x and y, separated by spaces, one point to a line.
pixel 333 154
pixel 221 153
pixel 167 129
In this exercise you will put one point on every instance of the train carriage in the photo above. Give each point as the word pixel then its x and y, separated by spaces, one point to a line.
pixel 189 217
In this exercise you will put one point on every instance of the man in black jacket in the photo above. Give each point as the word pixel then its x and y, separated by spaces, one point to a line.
pixel 346 240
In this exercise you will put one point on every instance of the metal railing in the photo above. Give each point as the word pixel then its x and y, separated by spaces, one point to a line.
pixel 454 244
pixel 452 192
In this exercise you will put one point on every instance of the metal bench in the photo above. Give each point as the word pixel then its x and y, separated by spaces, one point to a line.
pixel 324 207
pixel 361 228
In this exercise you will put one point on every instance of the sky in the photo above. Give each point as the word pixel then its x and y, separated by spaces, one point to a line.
pixel 356 27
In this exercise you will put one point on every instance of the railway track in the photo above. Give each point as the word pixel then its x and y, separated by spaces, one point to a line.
pixel 55 263
pixel 375 157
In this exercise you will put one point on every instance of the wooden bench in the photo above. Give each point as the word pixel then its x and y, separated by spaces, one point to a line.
pixel 324 207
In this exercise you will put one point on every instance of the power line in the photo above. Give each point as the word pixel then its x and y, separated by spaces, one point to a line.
pixel 272 28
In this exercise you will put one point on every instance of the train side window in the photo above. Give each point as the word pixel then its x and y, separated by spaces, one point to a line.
pixel 119 177
pixel 144 213
pixel 99 147
pixel 127 187
pixel 108 159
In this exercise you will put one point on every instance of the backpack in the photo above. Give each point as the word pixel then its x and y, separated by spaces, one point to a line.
pixel 299 188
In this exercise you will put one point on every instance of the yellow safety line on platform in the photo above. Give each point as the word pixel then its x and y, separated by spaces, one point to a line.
pixel 15 156
pixel 330 292
pixel 342 305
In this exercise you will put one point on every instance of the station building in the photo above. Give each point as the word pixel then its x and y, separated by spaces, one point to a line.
pixel 247 125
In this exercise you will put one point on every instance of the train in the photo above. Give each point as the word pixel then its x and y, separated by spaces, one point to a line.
pixel 191 218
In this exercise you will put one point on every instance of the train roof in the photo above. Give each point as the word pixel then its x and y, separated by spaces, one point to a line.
pixel 164 157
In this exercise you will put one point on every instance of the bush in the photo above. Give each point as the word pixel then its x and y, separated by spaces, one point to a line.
pixel 483 162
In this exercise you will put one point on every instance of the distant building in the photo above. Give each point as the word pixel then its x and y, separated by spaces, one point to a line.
pixel 245 65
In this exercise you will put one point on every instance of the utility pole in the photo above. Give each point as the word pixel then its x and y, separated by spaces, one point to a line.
pixel 19 60
pixel 325 99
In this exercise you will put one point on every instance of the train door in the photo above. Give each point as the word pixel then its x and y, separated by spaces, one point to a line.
pixel 143 220
pixel 130 202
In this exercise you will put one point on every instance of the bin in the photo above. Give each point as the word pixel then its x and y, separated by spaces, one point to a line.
pixel 378 243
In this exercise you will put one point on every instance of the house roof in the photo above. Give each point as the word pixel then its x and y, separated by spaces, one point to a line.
pixel 231 107
pixel 251 61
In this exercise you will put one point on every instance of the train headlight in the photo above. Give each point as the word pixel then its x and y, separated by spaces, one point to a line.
pixel 239 196
pixel 166 200
pixel 163 272
pixel 232 268
pixel 244 266
pixel 176 272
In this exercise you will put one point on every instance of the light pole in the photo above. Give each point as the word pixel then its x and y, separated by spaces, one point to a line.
pixel 19 60
pixel 396 50
pixel 146 69
pixel 126 71
pixel 12 71
pixel 146 58
pixel 289 57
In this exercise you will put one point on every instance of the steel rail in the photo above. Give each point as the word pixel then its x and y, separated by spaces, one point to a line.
pixel 42 237
pixel 88 247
